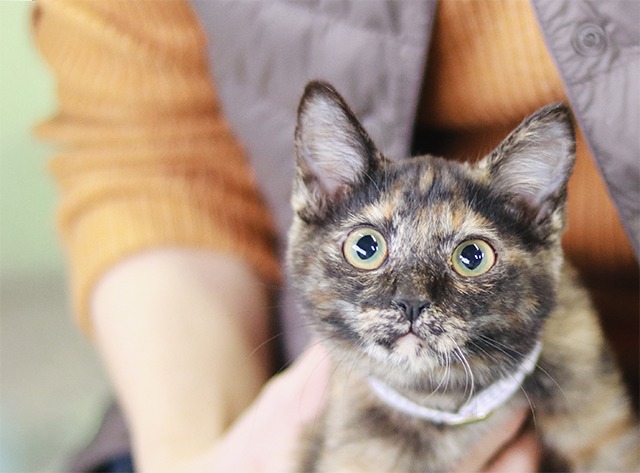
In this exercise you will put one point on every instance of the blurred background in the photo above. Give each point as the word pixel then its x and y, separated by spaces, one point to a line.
pixel 52 388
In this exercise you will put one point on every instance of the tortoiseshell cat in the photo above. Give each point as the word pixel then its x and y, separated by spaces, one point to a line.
pixel 440 290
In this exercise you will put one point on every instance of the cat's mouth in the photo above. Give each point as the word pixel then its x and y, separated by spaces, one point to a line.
pixel 423 340
pixel 409 344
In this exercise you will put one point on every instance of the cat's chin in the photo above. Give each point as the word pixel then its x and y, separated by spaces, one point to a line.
pixel 408 345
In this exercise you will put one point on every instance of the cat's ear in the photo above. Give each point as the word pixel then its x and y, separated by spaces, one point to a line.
pixel 333 152
pixel 534 163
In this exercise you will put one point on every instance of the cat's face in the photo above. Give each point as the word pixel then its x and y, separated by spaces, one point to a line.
pixel 423 264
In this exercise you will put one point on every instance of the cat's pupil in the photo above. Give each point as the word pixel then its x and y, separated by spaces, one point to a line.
pixel 471 256
pixel 366 247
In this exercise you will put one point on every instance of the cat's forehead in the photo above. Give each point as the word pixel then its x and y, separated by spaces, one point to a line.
pixel 429 196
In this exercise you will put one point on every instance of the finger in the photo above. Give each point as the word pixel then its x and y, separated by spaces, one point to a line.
pixel 482 453
pixel 273 424
pixel 523 456
pixel 305 383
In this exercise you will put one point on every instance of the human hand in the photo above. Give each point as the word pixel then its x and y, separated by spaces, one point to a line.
pixel 506 451
pixel 266 438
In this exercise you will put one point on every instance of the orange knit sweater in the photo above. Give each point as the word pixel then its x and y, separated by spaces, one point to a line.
pixel 149 160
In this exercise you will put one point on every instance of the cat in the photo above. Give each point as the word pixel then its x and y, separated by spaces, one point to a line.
pixel 440 291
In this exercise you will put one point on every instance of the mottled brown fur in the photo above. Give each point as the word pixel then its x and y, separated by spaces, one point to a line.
pixel 425 207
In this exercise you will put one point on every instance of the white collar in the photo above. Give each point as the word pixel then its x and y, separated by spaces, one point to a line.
pixel 477 408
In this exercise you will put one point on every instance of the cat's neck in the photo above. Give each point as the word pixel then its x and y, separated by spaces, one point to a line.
pixel 476 407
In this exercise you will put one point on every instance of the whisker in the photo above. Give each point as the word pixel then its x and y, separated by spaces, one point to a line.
pixel 447 371
pixel 531 408
pixel 265 343
pixel 497 345
pixel 503 371
pixel 506 372
pixel 444 379
pixel 373 182
pixel 354 365
pixel 468 372
pixel 326 392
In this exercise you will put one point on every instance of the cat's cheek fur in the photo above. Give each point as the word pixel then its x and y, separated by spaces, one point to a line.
pixel 443 333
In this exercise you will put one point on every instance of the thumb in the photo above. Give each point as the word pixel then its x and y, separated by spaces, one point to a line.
pixel 274 423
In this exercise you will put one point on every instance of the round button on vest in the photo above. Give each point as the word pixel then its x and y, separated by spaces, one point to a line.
pixel 589 39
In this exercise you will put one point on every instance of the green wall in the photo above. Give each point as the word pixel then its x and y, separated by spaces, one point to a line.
pixel 28 239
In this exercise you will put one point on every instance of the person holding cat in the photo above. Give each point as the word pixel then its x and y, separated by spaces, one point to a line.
pixel 175 189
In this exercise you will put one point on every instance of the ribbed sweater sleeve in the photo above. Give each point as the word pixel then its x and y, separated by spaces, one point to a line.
pixel 147 158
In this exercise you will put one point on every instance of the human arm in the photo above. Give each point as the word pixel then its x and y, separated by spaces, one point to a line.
pixel 177 330
pixel 161 220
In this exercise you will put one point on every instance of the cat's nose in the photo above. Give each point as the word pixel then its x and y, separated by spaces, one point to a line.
pixel 411 308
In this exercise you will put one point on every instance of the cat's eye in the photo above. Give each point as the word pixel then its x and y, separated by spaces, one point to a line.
pixel 365 248
pixel 473 258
